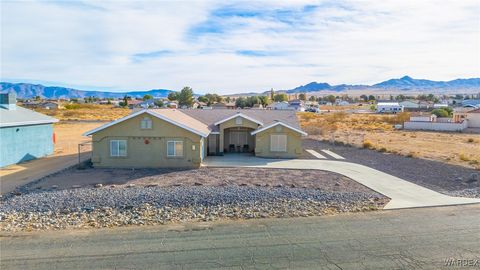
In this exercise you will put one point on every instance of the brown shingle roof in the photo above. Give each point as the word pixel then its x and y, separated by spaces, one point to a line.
pixel 181 118
pixel 267 117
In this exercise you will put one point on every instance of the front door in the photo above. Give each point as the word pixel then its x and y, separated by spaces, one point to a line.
pixel 238 139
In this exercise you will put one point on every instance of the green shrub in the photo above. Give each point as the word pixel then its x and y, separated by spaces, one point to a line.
pixel 73 106
pixel 441 112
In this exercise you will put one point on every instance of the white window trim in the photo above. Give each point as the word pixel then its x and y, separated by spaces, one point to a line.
pixel 118 148
pixel 175 148
pixel 239 120
pixel 146 123
pixel 278 150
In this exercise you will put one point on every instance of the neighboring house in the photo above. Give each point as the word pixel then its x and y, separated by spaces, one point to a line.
pixel 134 103
pixel 171 104
pixel 409 104
pixel 49 105
pixel 296 105
pixel 231 105
pixel 459 122
pixel 149 103
pixel 473 118
pixel 199 105
pixel 471 103
pixel 219 105
pixel 279 106
pixel 257 107
pixel 420 117
pixel 183 138
pixel 425 104
pixel 440 105
pixel 389 107
pixel 342 103
pixel 24 134
pixel 30 104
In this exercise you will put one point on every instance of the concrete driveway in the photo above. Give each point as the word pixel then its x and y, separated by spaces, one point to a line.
pixel 403 194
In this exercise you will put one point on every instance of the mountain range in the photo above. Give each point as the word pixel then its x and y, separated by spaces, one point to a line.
pixel 406 83
pixel 27 90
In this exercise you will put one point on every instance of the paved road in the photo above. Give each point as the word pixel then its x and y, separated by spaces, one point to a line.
pixel 403 194
pixel 420 238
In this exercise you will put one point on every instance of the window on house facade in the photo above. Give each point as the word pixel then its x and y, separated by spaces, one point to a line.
pixel 118 148
pixel 278 143
pixel 238 120
pixel 175 148
pixel 146 123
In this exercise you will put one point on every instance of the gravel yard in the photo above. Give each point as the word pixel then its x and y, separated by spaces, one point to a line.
pixel 147 197
pixel 326 181
pixel 445 178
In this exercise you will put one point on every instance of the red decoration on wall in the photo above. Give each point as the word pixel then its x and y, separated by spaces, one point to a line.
pixel 147 141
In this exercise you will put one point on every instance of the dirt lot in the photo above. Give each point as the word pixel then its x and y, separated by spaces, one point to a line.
pixel 69 135
pixel 89 112
pixel 377 132
pixel 316 179
pixel 445 178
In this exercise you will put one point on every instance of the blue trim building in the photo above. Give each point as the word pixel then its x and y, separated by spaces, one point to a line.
pixel 24 134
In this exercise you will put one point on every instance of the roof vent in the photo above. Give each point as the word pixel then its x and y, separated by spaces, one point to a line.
pixel 8 101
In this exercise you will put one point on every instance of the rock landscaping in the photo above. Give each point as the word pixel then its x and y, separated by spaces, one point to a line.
pixel 108 206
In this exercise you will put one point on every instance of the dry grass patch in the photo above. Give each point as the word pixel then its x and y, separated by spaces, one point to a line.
pixel 377 132
pixel 91 112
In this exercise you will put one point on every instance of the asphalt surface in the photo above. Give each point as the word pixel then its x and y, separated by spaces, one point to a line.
pixel 421 238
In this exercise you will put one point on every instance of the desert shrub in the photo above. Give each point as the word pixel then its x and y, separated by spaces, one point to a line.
pixel 401 118
pixel 464 157
pixel 367 144
pixel 339 116
pixel 470 140
pixel 383 149
pixel 73 106
pixel 411 155
pixel 313 130
pixel 68 114
pixel 307 116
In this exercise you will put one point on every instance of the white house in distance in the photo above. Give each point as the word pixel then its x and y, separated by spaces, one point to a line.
pixel 462 119
pixel 296 105
pixel 469 114
pixel 409 104
pixel 389 107
pixel 278 106
pixel 423 117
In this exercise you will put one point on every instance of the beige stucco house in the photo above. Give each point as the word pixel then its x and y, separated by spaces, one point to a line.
pixel 471 115
pixel 183 138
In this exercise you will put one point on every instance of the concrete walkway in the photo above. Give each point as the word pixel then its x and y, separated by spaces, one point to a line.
pixel 21 174
pixel 403 194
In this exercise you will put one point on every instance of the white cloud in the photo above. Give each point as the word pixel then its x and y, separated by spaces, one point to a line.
pixel 206 44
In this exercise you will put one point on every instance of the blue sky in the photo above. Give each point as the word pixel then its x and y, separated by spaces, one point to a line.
pixel 231 46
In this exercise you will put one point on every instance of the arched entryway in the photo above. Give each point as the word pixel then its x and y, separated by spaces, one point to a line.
pixel 238 140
